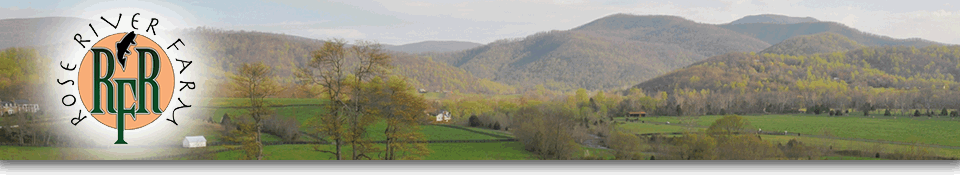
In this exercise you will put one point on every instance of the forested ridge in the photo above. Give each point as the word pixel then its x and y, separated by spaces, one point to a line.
pixel 825 42
pixel 773 18
pixel 898 77
pixel 611 52
pixel 775 33
pixel 434 46
pixel 224 50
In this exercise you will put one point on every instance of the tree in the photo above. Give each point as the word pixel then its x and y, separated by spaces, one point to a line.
pixel 943 112
pixel 886 112
pixel 547 130
pixel 581 96
pixel 626 146
pixel 401 109
pixel 327 68
pixel 697 147
pixel 247 138
pixel 372 61
pixel 342 79
pixel 474 121
pixel 679 111
pixel 255 82
pixel 729 124
pixel 916 113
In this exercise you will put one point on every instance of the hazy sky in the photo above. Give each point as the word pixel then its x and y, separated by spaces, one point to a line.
pixel 408 21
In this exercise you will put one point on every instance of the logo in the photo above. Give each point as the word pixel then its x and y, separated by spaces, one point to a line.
pixel 126 80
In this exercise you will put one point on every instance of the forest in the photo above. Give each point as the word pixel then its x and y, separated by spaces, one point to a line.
pixel 227 50
pixel 866 79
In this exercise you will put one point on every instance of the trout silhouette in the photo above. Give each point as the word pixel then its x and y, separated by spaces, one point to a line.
pixel 123 49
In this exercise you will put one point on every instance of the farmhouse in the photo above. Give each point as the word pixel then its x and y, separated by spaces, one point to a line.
pixel 7 108
pixel 443 116
pixel 194 142
pixel 16 106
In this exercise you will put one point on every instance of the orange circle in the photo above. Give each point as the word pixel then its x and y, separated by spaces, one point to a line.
pixel 165 81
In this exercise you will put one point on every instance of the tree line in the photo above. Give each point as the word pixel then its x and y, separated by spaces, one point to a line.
pixel 357 91
pixel 902 79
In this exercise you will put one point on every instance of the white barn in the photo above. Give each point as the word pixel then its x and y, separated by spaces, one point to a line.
pixel 194 142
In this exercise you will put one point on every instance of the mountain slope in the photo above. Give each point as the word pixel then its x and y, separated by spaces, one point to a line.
pixel 434 46
pixel 776 33
pixel 773 19
pixel 897 67
pixel 704 39
pixel 610 52
pixel 825 42
pixel 224 51
pixel 23 32
pixel 872 78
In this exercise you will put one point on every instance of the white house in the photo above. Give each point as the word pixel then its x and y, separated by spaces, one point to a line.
pixel 444 116
pixel 194 142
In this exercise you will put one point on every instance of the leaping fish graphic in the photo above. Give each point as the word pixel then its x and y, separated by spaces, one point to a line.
pixel 123 49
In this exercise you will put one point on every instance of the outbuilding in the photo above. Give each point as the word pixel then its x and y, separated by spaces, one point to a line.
pixel 444 116
pixel 637 114
pixel 194 142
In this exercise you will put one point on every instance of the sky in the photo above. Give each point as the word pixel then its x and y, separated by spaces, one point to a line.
pixel 407 21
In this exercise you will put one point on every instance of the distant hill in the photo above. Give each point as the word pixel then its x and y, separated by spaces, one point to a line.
pixel 704 39
pixel 226 50
pixel 433 46
pixel 825 42
pixel 773 19
pixel 611 52
pixel 776 33
pixel 22 32
pixel 880 67
pixel 897 77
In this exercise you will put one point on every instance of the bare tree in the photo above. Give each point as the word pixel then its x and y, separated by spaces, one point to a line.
pixel 255 82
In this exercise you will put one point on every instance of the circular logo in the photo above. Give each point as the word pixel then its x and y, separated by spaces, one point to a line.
pixel 128 76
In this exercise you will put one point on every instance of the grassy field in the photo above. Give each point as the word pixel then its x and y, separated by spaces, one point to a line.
pixel 432 132
pixel 641 128
pixel 859 145
pixel 303 113
pixel 903 129
pixel 29 153
pixel 849 158
pixel 439 151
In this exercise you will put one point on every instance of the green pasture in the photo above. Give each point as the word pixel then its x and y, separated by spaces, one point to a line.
pixel 438 151
pixel 903 129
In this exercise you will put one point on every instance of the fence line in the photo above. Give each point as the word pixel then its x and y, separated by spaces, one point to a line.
pixel 469 130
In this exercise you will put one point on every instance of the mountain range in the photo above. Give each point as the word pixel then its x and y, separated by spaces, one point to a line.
pixel 433 46
pixel 612 52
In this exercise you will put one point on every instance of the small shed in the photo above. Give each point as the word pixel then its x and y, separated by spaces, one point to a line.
pixel 637 114
pixel 194 142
